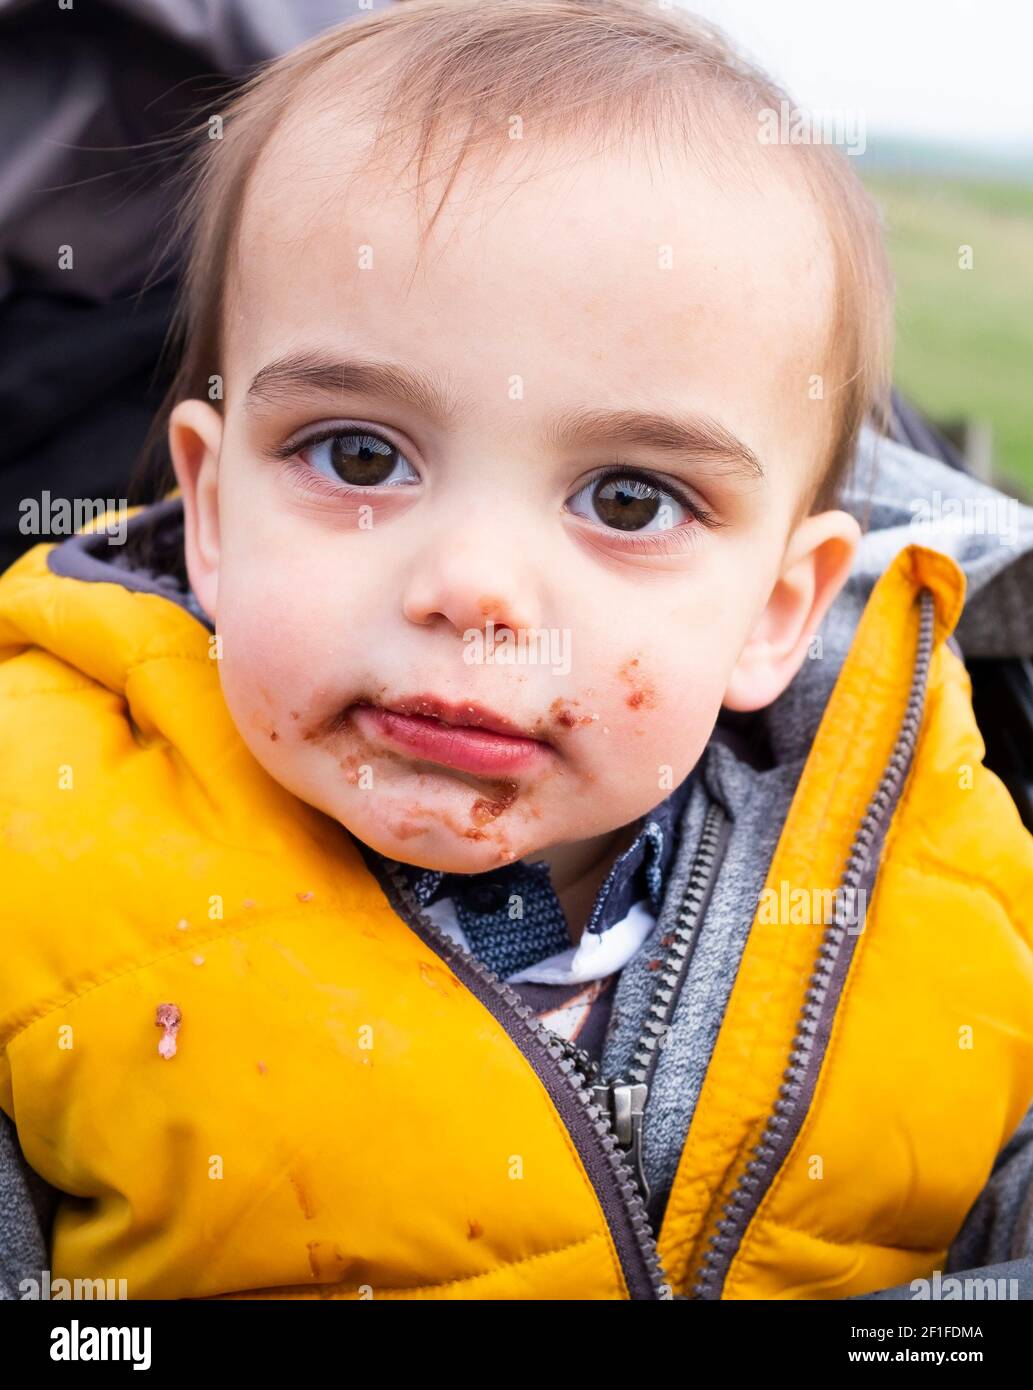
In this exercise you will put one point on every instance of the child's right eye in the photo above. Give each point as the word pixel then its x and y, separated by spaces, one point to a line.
pixel 357 459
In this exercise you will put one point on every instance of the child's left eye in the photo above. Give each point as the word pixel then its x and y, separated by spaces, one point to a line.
pixel 625 500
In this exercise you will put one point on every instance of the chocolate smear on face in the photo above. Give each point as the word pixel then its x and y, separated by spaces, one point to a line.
pixel 643 694
pixel 561 711
pixel 486 809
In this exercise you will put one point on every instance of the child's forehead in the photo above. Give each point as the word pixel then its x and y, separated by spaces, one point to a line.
pixel 553 259
pixel 313 208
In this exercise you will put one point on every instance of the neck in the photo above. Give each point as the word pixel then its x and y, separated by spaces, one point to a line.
pixel 577 872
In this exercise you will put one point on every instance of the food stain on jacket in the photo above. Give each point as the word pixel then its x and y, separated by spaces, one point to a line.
pixel 324 1258
pixel 168 1017
pixel 433 975
pixel 305 1199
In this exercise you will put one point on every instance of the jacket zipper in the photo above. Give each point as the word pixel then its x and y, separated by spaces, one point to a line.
pixel 625 1100
pixel 824 989
pixel 604 1118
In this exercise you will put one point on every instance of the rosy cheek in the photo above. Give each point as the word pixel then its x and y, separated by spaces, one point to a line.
pixel 269 678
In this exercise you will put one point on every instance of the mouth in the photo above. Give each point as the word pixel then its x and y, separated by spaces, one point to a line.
pixel 468 736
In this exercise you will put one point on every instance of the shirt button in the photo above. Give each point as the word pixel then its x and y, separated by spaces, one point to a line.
pixel 486 897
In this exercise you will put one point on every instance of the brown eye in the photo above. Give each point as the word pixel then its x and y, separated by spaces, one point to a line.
pixel 359 459
pixel 629 502
pixel 626 503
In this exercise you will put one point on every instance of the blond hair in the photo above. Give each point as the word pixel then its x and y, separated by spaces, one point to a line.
pixel 573 68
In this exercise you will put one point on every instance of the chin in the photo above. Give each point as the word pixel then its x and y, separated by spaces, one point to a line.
pixel 430 846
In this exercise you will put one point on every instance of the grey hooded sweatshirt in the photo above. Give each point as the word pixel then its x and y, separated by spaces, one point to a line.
pixel 750 769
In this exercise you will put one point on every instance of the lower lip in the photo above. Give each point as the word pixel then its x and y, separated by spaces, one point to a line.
pixel 458 746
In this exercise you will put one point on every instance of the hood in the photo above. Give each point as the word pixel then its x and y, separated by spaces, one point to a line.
pixel 901 497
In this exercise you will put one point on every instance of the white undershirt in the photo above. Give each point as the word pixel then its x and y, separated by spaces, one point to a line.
pixel 593 958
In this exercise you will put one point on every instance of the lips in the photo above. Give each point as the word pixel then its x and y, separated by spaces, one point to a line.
pixel 467 716
pixel 468 737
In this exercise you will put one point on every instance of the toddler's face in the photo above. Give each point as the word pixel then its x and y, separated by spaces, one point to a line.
pixel 410 458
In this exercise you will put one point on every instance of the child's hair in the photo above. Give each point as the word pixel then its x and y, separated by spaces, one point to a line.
pixel 575 70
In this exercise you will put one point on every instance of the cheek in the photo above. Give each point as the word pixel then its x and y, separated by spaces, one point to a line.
pixel 273 659
pixel 664 703
pixel 648 719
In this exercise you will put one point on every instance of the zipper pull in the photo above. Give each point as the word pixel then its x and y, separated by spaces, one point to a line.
pixel 626 1105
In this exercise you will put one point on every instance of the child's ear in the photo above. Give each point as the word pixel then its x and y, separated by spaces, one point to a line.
pixel 195 438
pixel 817 562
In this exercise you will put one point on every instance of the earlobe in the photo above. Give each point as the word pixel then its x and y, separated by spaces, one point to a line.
pixel 817 562
pixel 195 441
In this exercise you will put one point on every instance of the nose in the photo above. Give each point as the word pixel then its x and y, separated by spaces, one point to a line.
pixel 467 580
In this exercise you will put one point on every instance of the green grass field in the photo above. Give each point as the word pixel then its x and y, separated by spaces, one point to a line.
pixel 965 337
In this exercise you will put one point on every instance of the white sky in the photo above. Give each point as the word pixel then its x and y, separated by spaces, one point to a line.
pixel 949 69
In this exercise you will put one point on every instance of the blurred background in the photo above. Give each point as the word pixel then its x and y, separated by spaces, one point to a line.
pixel 935 94
pixel 943 93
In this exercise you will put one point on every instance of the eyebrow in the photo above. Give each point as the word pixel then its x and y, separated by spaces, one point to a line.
pixel 699 436
pixel 307 372
pixel 684 433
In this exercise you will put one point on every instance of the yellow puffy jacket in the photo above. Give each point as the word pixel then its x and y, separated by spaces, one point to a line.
pixel 355 1108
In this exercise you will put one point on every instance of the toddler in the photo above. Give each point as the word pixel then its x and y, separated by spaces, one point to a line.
pixel 471 841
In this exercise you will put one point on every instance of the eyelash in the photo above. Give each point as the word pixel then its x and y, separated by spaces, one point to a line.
pixel 304 476
pixel 620 470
